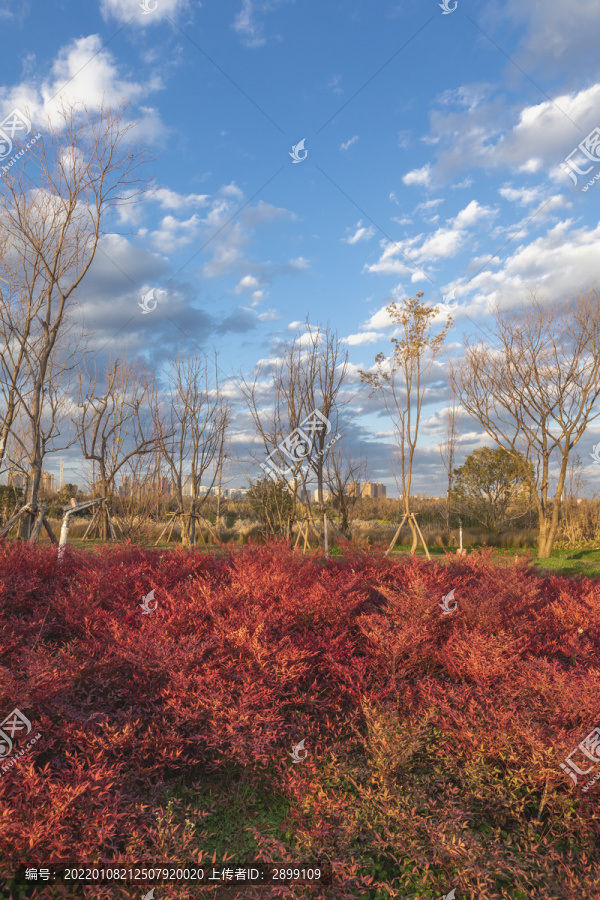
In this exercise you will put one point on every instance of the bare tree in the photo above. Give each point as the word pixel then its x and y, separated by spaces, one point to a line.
pixel 36 429
pixel 134 507
pixel 342 471
pixel 115 427
pixel 535 390
pixel 84 166
pixel 307 382
pixel 401 382
pixel 266 406
pixel 192 424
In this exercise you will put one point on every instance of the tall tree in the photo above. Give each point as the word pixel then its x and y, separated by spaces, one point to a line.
pixel 490 487
pixel 401 380
pixel 192 422
pixel 535 388
pixel 115 426
pixel 52 211
pixel 341 471
pixel 272 505
pixel 305 402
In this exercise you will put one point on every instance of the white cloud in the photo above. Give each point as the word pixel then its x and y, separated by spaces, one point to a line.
pixel 173 234
pixel 231 235
pixel 299 263
pixel 172 200
pixel 522 196
pixel 126 10
pixel 418 176
pixel 429 204
pixel 349 143
pixel 247 283
pixel 378 321
pixel 557 32
pixel 528 140
pixel 367 337
pixel 559 263
pixel 444 243
pixel 471 214
pixel 247 23
pixel 83 71
pixel 232 190
pixel 465 183
pixel 362 233
pixel 270 315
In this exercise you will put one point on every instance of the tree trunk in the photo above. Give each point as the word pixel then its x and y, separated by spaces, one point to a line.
pixel 193 523
pixel 413 530
pixel 543 535
pixel 185 530
pixel 32 491
pixel 104 513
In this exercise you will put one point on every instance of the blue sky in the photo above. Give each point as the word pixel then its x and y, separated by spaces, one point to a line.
pixel 434 143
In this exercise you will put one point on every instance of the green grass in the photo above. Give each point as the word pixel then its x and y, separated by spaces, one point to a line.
pixel 562 562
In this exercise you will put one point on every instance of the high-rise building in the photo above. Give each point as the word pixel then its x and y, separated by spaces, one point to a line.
pixel 235 493
pixel 301 493
pixel 353 489
pixel 373 490
pixel 48 482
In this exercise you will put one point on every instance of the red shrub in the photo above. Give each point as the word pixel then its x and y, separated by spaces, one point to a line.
pixel 420 725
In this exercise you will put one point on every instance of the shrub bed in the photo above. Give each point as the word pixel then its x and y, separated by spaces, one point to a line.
pixel 433 741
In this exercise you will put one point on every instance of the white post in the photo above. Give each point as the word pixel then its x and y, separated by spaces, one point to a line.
pixel 64 531
pixel 325 535
pixel 460 534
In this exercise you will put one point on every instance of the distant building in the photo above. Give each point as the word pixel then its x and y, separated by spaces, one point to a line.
pixel 353 489
pixel 202 490
pixel 235 493
pixel 18 480
pixel 373 490
pixel 48 482
pixel 162 485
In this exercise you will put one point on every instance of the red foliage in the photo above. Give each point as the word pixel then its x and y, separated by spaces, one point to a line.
pixel 247 653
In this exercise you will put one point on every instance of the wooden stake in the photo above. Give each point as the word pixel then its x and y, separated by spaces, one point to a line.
pixel 171 531
pixel 173 517
pixel 422 538
pixel 15 519
pixel 395 538
pixel 91 525
pixel 209 529
pixel 299 535
pixel 305 538
pixel 48 528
